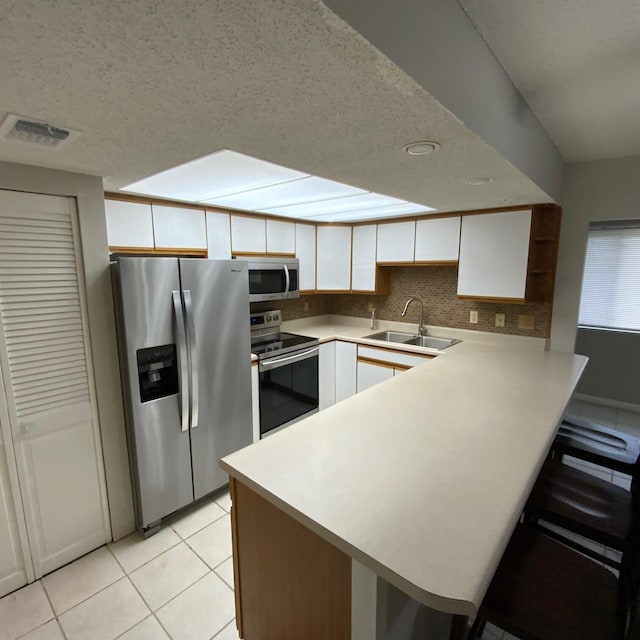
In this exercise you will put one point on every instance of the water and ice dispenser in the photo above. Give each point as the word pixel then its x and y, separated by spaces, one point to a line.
pixel 157 372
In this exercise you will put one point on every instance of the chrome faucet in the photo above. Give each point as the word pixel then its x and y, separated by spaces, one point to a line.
pixel 422 330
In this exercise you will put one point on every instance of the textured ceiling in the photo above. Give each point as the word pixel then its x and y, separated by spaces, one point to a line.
pixel 576 63
pixel 152 84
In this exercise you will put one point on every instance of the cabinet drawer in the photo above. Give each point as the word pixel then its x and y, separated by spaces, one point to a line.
pixel 391 357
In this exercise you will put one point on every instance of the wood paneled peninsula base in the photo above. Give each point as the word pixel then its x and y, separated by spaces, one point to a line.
pixel 385 516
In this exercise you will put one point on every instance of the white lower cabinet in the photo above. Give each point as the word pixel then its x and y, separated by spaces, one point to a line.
pixel 255 401
pixel 370 374
pixel 345 370
pixel 327 375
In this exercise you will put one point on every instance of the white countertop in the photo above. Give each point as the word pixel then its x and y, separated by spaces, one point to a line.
pixel 422 478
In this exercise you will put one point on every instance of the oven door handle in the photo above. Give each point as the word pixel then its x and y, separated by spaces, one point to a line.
pixel 274 363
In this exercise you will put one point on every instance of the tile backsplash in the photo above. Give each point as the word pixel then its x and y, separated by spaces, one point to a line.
pixel 436 287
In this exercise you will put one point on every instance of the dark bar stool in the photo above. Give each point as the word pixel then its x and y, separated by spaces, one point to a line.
pixel 595 443
pixel 583 504
pixel 543 590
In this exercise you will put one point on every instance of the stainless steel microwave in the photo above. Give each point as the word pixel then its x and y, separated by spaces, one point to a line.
pixel 273 279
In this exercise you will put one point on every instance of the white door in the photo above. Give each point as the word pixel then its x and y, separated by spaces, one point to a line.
pixel 48 385
pixel 13 551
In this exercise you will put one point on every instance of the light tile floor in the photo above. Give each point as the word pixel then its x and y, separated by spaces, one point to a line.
pixel 177 584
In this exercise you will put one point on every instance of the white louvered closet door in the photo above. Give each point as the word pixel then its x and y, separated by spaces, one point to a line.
pixel 46 366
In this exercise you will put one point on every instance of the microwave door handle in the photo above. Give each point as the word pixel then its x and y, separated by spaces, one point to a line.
pixel 181 339
pixel 287 280
pixel 193 352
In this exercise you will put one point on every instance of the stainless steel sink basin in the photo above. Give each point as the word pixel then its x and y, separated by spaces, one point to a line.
pixel 411 338
pixel 432 343
pixel 391 336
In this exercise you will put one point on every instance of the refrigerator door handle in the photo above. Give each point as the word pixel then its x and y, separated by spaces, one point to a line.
pixel 184 364
pixel 193 350
pixel 287 280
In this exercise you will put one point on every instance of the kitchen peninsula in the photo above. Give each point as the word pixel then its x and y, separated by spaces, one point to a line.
pixel 391 509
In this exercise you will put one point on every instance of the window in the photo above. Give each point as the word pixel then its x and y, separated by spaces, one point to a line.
pixel 611 283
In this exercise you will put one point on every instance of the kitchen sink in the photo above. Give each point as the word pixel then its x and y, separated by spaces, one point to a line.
pixel 410 338
pixel 431 342
pixel 391 336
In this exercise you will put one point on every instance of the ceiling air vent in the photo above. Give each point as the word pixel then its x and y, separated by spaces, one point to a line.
pixel 36 132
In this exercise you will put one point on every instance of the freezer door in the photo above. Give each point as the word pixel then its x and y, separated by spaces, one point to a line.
pixel 155 373
pixel 216 294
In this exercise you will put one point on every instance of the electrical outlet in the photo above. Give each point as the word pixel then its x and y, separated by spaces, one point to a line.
pixel 305 306
pixel 473 317
pixel 499 319
pixel 527 323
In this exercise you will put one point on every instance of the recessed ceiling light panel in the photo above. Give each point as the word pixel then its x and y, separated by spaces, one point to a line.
pixel 309 189
pixel 421 148
pixel 387 211
pixel 218 174
pixel 351 203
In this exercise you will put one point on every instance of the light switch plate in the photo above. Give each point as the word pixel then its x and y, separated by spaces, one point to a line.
pixel 500 319
pixel 473 317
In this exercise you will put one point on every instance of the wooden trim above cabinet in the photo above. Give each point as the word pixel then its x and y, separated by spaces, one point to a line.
pixel 258 254
pixel 161 251
pixel 490 299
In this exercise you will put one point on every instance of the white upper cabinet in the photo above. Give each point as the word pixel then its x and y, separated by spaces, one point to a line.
pixel 248 235
pixel 218 235
pixel 306 254
pixel 129 224
pixel 437 240
pixel 281 237
pixel 363 271
pixel 177 228
pixel 396 241
pixel 334 258
pixel 494 251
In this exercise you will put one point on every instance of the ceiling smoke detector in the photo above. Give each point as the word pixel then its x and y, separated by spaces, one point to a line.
pixel 36 132
pixel 421 148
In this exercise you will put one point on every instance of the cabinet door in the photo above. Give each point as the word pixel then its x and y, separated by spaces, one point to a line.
pixel 129 224
pixel 396 241
pixel 438 240
pixel 363 271
pixel 370 374
pixel 218 235
pixel 177 228
pixel 494 251
pixel 346 371
pixel 306 254
pixel 327 375
pixel 255 401
pixel 334 259
pixel 281 237
pixel 248 235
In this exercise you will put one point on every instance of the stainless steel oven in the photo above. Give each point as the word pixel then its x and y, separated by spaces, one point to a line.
pixel 273 279
pixel 288 373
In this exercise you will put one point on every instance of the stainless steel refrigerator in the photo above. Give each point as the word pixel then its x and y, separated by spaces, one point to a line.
pixel 185 360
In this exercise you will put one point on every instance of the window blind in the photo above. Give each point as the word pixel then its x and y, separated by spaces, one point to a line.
pixel 611 283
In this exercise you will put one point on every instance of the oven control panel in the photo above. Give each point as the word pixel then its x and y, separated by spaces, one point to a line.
pixel 265 319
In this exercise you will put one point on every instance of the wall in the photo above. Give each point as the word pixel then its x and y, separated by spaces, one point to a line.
pixel 436 286
pixel 594 191
pixel 89 195
pixel 609 352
